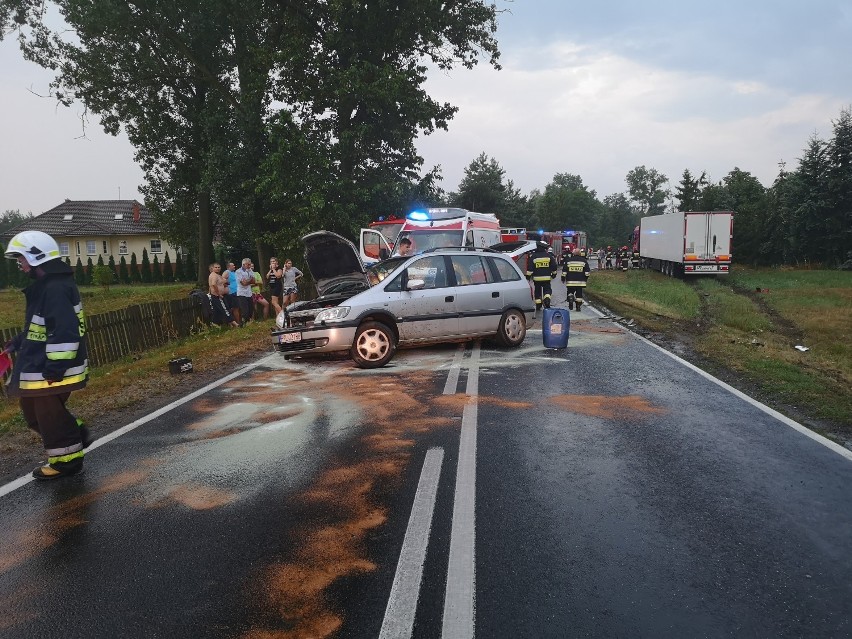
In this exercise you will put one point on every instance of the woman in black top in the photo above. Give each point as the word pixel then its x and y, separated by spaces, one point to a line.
pixel 275 283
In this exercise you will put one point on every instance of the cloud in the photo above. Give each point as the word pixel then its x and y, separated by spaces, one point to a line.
pixel 599 114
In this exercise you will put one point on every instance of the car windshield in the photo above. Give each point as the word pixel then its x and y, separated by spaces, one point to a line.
pixel 380 271
pixel 431 238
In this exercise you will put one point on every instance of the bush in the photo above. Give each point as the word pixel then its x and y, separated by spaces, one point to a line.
pixel 102 276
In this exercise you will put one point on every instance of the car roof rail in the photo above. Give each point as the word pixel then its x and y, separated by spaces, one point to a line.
pixel 483 249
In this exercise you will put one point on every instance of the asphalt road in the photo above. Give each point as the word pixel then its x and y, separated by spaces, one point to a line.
pixel 606 490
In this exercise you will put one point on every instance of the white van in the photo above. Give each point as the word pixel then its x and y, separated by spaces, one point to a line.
pixel 435 228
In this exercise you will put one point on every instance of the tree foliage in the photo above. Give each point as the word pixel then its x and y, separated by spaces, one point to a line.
pixel 645 189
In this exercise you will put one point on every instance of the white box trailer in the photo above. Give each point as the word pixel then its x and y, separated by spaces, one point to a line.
pixel 687 243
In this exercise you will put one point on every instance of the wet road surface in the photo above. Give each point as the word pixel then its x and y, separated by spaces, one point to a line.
pixel 604 490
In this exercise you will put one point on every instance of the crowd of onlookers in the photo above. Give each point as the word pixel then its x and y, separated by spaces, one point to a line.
pixel 236 295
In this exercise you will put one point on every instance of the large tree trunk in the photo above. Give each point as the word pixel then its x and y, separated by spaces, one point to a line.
pixel 205 238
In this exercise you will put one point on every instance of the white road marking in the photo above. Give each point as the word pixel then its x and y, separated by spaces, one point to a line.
pixel 23 481
pixel 459 598
pixel 837 448
pixel 402 605
pixel 455 368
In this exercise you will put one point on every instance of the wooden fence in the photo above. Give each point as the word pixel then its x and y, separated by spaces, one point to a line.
pixel 135 329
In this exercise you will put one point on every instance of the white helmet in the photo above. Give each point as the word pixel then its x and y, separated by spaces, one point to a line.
pixel 35 246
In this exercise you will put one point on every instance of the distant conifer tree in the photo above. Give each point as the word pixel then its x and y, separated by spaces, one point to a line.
pixel 168 272
pixel 156 273
pixel 79 273
pixel 179 274
pixel 135 273
pixel 90 269
pixel 146 267
pixel 123 273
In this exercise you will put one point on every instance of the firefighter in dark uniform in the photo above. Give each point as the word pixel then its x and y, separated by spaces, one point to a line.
pixel 51 359
pixel 575 273
pixel 624 258
pixel 635 258
pixel 541 268
pixel 609 255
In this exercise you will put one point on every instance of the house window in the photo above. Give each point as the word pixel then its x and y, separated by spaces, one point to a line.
pixel 122 247
pixel 119 216
pixel 64 249
pixel 67 217
pixel 91 249
pixel 156 246
pixel 78 248
pixel 105 247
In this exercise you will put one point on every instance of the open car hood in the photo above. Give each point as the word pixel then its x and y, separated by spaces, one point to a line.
pixel 334 263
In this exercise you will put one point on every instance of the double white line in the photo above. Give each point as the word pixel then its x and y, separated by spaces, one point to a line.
pixel 459 598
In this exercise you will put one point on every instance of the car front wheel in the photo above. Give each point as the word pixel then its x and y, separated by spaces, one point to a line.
pixel 513 328
pixel 374 345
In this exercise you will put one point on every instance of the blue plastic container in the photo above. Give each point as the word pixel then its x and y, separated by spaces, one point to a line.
pixel 555 324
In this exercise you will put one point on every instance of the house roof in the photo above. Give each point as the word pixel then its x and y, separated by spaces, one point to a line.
pixel 91 217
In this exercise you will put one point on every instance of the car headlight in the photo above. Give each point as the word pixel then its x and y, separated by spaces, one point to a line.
pixel 279 320
pixel 334 313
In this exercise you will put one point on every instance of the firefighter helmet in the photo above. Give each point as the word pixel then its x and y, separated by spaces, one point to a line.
pixel 36 247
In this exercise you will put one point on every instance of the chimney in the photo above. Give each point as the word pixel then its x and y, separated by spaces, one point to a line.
pixel 136 212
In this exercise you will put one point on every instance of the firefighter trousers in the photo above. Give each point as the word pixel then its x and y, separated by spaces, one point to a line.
pixel 542 293
pixel 48 416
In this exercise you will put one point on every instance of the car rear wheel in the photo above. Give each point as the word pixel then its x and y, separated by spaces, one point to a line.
pixel 513 328
pixel 374 345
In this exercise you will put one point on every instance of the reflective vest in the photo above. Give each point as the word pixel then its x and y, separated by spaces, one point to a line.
pixel 576 271
pixel 53 344
pixel 541 266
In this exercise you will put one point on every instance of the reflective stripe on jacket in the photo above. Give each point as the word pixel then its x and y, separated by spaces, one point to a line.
pixel 51 354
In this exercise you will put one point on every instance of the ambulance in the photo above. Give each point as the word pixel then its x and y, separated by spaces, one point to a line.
pixel 434 228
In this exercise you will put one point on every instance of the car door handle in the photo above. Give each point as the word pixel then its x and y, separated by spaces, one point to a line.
pixel 495 294
pixel 449 298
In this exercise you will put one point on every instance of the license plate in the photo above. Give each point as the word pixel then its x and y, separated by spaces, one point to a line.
pixel 706 267
pixel 289 338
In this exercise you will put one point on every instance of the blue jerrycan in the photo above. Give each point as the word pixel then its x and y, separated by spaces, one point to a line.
pixel 555 324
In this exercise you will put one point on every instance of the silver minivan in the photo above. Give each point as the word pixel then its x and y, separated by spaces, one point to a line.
pixel 442 295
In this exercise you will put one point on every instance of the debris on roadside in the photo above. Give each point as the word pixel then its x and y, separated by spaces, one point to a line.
pixel 799 347
pixel 755 342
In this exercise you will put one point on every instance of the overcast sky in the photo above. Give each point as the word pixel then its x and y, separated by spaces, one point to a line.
pixel 593 89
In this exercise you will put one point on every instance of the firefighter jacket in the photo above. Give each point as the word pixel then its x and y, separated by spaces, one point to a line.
pixel 541 266
pixel 52 347
pixel 576 271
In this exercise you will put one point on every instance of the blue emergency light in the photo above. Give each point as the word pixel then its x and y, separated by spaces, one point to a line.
pixel 419 216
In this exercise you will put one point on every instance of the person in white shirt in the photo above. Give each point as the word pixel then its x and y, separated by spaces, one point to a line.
pixel 245 280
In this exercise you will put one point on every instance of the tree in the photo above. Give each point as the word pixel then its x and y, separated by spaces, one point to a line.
pixel 260 117
pixel 79 273
pixel 90 269
pixel 135 273
pixel 11 219
pixel 180 275
pixel 123 272
pixel 146 267
pixel 688 191
pixel 644 186
pixel 168 271
pixel 567 204
pixel 839 223
pixel 617 220
pixel 111 264
pixel 156 272
pixel 482 188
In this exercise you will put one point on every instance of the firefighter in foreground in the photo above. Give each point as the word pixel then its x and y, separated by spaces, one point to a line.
pixel 51 353
pixel 541 268
pixel 575 273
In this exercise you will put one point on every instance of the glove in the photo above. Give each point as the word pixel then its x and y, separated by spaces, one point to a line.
pixel 51 377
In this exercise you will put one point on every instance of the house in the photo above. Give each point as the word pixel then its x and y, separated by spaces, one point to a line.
pixel 92 228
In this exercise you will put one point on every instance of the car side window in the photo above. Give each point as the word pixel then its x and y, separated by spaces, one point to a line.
pixel 432 270
pixel 504 270
pixel 469 269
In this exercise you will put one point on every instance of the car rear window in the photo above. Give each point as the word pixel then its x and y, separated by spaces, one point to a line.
pixel 470 269
pixel 504 269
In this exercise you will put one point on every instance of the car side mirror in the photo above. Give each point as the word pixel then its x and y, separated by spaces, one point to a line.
pixel 414 285
pixel 383 254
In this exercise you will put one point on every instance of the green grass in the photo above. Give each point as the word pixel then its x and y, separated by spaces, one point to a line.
pixel 742 336
pixel 646 291
pixel 95 299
